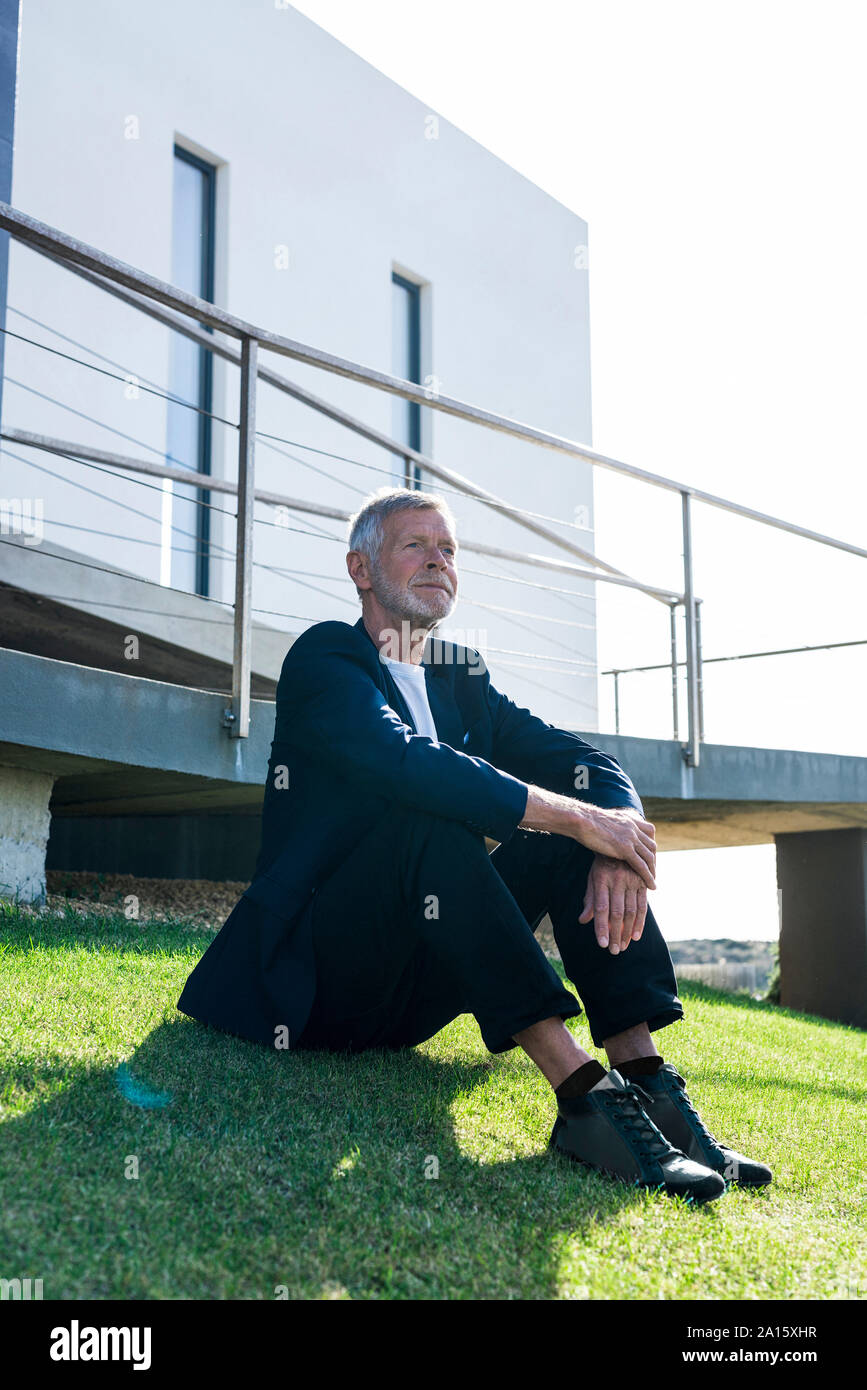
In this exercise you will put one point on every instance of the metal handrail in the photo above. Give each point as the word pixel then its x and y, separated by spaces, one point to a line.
pixel 42 237
pixel 178 323
pixel 739 656
pixel 206 482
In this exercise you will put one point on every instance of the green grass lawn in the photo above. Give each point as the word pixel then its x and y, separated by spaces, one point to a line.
pixel 306 1172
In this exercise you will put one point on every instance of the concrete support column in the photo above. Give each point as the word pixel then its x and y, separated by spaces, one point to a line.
pixel 24 824
pixel 822 878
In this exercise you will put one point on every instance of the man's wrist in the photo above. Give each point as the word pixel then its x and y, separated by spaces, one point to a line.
pixel 553 812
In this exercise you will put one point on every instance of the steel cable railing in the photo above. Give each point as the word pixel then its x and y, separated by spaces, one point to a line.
pixel 283 571
pixel 187 313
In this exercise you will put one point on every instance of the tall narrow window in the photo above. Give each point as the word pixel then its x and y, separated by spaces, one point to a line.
pixel 405 363
pixel 185 529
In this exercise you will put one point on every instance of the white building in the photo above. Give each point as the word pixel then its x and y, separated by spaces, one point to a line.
pixel 239 151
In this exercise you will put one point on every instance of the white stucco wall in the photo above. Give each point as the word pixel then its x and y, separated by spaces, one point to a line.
pixel 322 154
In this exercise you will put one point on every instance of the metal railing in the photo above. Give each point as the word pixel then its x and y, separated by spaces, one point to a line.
pixel 673 664
pixel 176 308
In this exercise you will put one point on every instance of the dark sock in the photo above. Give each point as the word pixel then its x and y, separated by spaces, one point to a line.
pixel 640 1066
pixel 581 1081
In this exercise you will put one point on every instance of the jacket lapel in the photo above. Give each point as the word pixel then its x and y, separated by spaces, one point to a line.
pixel 443 706
pixel 446 714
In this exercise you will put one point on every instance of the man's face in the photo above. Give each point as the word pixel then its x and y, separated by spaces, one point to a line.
pixel 415 576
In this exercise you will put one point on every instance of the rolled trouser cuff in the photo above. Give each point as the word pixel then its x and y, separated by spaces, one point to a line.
pixel 610 1026
pixel 499 1037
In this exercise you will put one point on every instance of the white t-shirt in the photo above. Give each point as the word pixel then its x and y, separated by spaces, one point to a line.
pixel 411 683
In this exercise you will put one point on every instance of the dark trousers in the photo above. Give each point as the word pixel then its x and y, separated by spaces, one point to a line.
pixel 420 924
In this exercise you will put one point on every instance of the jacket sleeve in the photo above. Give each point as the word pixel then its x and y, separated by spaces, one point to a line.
pixel 329 707
pixel 545 756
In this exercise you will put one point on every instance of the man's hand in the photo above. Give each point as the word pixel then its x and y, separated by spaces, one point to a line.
pixel 624 862
pixel 616 898
pixel 620 833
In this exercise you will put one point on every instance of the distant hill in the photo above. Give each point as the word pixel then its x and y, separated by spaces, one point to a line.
pixel 726 964
pixel 723 949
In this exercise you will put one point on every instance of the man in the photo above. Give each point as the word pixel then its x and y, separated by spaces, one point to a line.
pixel 376 914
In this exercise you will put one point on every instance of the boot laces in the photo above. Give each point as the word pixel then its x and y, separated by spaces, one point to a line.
pixel 682 1099
pixel 651 1142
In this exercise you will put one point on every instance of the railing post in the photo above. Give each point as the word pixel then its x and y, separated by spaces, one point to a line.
pixel 674 700
pixel 239 726
pixel 700 670
pixel 691 748
pixel 616 675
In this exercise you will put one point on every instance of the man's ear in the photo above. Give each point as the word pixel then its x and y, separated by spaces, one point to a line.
pixel 357 570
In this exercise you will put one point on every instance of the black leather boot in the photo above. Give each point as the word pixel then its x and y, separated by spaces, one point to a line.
pixel 673 1112
pixel 609 1130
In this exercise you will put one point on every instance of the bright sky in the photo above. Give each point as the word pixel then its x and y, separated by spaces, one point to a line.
pixel 716 152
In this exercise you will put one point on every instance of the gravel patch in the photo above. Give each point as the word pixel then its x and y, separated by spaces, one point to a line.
pixel 199 901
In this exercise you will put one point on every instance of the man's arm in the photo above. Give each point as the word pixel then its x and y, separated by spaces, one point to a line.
pixel 330 708
pixel 575 789
pixel 555 759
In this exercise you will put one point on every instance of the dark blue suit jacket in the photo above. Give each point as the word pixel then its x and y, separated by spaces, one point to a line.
pixel 344 751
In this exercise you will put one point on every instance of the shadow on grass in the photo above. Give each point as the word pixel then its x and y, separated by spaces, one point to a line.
pixel 209 1167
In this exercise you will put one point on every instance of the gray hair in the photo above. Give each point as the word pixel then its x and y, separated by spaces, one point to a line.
pixel 366 529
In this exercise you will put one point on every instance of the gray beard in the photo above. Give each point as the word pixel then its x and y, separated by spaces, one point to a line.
pixel 408 605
